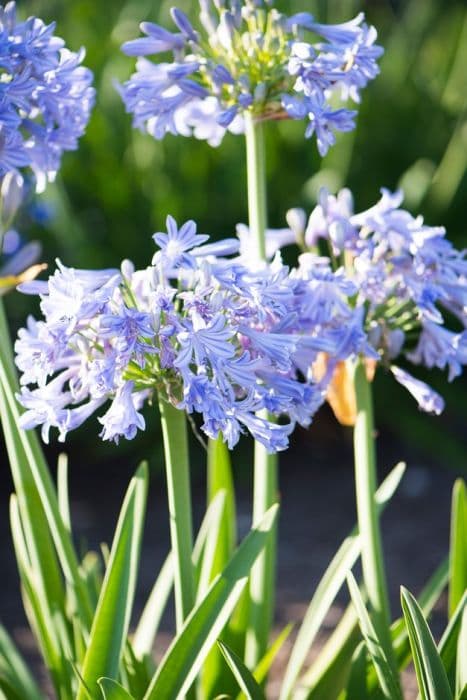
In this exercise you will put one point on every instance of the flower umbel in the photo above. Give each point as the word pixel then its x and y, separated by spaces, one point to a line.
pixel 248 57
pixel 45 96
pixel 409 282
pixel 207 333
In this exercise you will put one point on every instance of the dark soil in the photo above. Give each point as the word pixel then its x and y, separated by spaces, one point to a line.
pixel 317 511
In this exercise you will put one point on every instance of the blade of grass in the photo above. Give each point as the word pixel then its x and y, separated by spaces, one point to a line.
pixel 111 621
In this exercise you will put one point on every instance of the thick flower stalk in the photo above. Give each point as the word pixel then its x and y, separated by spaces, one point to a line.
pixel 247 58
pixel 206 333
pixel 46 96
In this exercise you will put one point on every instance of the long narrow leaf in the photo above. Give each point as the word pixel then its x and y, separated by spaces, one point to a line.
pixel 187 652
pixel 431 675
pixel 447 646
pixel 111 690
pixel 31 477
pixel 461 675
pixel 389 684
pixel 242 674
pixel 14 674
pixel 330 584
pixel 458 549
pixel 112 618
pixel 148 625
pixel 329 673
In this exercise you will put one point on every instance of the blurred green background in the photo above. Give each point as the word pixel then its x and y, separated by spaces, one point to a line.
pixel 117 189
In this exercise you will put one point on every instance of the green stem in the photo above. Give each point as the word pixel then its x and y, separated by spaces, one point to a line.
pixel 262 579
pixel 374 574
pixel 7 350
pixel 177 467
pixel 256 176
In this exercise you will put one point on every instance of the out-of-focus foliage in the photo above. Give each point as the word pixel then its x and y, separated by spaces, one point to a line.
pixel 117 189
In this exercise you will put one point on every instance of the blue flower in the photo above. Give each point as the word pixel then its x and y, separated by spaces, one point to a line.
pixel 249 58
pixel 176 243
pixel 428 399
pixel 207 333
pixel 122 418
pixel 45 96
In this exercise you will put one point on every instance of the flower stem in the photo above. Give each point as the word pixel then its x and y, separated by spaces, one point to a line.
pixel 7 350
pixel 177 467
pixel 256 176
pixel 374 574
pixel 262 578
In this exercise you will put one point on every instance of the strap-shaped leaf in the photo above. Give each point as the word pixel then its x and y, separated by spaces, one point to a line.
pixel 243 675
pixel 458 548
pixel 189 649
pixel 388 683
pixel 461 675
pixel 148 625
pixel 448 645
pixel 329 586
pixel 15 678
pixel 431 675
pixel 111 621
pixel 111 690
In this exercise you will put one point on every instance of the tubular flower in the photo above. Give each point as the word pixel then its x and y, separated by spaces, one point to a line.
pixel 248 57
pixel 45 96
pixel 409 281
pixel 207 333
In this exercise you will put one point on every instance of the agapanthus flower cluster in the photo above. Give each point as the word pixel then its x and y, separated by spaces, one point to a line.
pixel 249 58
pixel 203 331
pixel 45 96
pixel 410 281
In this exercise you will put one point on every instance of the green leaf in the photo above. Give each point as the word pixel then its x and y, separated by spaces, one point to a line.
pixel 37 498
pixel 243 675
pixel 431 675
pixel 328 587
pixel 39 611
pixel 458 548
pixel 111 690
pixel 448 644
pixel 330 671
pixel 461 676
pixel 389 684
pixel 211 530
pixel 62 491
pixel 15 678
pixel 262 669
pixel 357 688
pixel 148 625
pixel 189 649
pixel 112 618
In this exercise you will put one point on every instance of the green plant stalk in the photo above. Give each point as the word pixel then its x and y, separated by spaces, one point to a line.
pixel 174 432
pixel 374 575
pixel 7 351
pixel 262 579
